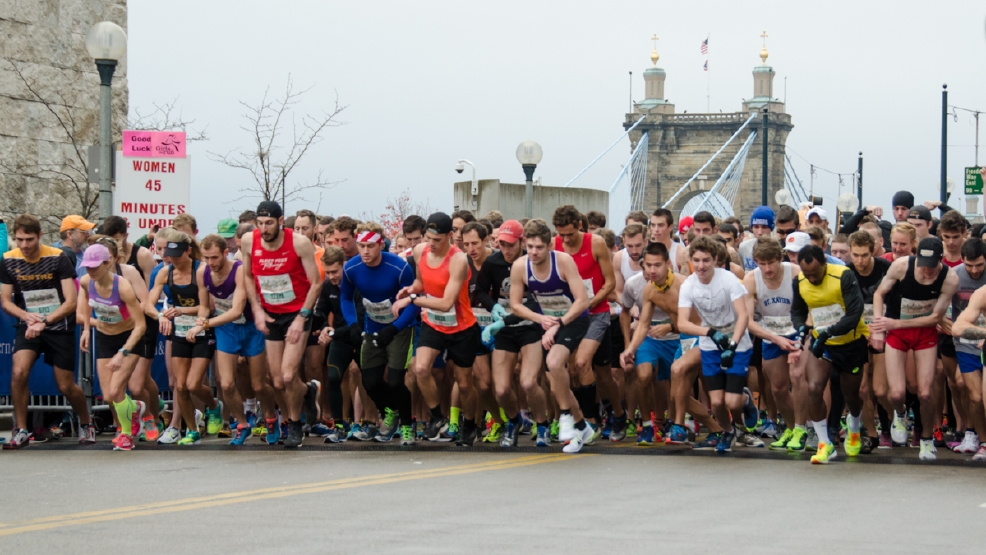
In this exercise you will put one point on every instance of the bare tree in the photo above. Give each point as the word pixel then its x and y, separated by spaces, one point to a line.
pixel 396 211
pixel 165 116
pixel 276 151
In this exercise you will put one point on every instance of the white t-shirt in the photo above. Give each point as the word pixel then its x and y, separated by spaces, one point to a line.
pixel 633 295
pixel 714 303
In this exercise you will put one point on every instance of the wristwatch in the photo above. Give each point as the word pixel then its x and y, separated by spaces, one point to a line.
pixel 125 352
pixel 305 313
pixel 413 297
pixel 45 320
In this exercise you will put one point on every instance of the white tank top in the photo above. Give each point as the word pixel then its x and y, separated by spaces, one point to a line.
pixel 774 305
pixel 625 268
pixel 673 254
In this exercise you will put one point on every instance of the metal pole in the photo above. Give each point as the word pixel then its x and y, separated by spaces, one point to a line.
pixel 763 171
pixel 529 190
pixel 630 110
pixel 944 138
pixel 977 138
pixel 105 68
pixel 859 180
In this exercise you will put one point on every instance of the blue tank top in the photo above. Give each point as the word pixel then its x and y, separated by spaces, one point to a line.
pixel 553 295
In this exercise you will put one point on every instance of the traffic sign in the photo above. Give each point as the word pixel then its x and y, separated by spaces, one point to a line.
pixel 973 181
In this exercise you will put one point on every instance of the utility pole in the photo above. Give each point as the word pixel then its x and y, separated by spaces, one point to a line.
pixel 763 183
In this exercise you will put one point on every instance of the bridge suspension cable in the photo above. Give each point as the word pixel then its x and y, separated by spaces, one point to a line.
pixel 627 192
pixel 610 147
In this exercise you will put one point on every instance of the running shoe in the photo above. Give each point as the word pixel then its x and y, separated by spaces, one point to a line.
pixel 781 443
pixel 213 419
pixel 150 432
pixel 87 434
pixel 191 438
pixel 225 431
pixel 981 453
pixel 124 443
pixel 337 434
pixel 678 435
pixel 509 436
pixel 170 436
pixel 747 439
pixel 709 443
pixel 435 429
pixel 555 430
pixel 242 434
pixel 467 434
pixel 260 429
pixel 273 433
pixel 543 436
pixel 527 426
pixel 645 438
pixel 750 413
pixel 618 430
pixel 607 425
pixel 799 440
pixel 928 451
pixel 284 429
pixel 407 435
pixel 854 443
pixel 136 417
pixel 390 424
pixel 865 441
pixel 496 433
pixel 580 439
pixel 826 454
pixel 451 432
pixel 969 445
pixel 566 427
pixel 811 443
pixel 898 430
pixel 199 421
pixel 938 436
pixel 365 432
pixel 387 433
pixel 667 427
pixel 885 441
pixel 295 436
pixel 311 406
pixel 321 429
pixel 725 443
pixel 769 430
pixel 597 433
pixel 18 439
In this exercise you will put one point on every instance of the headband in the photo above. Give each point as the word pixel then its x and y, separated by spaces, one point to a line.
pixel 369 237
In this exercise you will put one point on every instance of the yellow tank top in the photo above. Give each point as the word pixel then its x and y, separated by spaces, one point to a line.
pixel 826 305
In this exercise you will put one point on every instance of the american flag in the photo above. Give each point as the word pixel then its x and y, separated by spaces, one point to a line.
pixel 705 46
pixel 706 66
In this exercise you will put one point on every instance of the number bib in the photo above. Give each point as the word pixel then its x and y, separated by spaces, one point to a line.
pixel 827 316
pixel 781 325
pixel 726 330
pixel 588 288
pixel 184 323
pixel 441 319
pixel 555 306
pixel 225 305
pixel 379 312
pixel 910 309
pixel 483 316
pixel 276 289
pixel 42 301
pixel 688 344
pixel 106 313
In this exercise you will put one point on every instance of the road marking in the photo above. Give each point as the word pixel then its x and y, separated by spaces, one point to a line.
pixel 983 506
pixel 192 503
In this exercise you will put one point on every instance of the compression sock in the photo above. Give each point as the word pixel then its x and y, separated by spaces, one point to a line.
pixel 453 415
pixel 503 415
pixel 124 411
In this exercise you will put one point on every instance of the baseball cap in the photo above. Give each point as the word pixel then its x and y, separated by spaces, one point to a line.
pixel 76 222
pixel 440 222
pixel 685 224
pixel 919 212
pixel 269 209
pixel 227 228
pixel 819 211
pixel 930 252
pixel 511 231
pixel 177 249
pixel 95 255
pixel 762 215
pixel 796 241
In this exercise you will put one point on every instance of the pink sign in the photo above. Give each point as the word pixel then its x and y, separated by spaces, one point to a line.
pixel 154 144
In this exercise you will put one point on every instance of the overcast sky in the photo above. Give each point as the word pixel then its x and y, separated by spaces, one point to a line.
pixel 429 83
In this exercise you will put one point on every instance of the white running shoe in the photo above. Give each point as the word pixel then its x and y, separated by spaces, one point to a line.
pixel 566 427
pixel 744 439
pixel 199 421
pixel 969 445
pixel 898 430
pixel 169 436
pixel 927 450
pixel 980 454
pixel 582 437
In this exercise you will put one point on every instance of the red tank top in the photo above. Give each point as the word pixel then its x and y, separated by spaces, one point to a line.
pixel 951 264
pixel 435 280
pixel 589 270
pixel 282 282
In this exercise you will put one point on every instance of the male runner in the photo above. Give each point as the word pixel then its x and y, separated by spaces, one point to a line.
pixel 972 278
pixel 627 260
pixel 761 224
pixel 661 229
pixel 281 279
pixel 952 230
pixel 305 224
pixel 344 235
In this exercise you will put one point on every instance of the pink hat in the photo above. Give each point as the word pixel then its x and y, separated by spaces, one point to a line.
pixel 510 231
pixel 95 255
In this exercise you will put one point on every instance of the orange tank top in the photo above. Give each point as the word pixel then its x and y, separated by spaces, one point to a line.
pixel 435 280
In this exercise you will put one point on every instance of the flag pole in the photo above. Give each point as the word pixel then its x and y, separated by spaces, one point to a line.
pixel 708 77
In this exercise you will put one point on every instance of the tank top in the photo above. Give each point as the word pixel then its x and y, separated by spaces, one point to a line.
pixel 222 293
pixel 108 310
pixel 184 296
pixel 553 294
pixel 279 275
pixel 483 316
pixel 673 254
pixel 132 261
pixel 461 316
pixel 912 299
pixel 625 268
pixel 774 305
pixel 592 274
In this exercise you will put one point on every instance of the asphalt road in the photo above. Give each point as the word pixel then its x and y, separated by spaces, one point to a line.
pixel 59 498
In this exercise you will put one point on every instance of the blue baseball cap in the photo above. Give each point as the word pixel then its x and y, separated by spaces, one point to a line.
pixel 762 215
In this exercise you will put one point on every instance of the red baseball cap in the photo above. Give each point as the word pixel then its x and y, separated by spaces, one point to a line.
pixel 685 224
pixel 511 231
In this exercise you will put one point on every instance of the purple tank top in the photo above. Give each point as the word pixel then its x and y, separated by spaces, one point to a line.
pixel 111 310
pixel 553 294
pixel 222 294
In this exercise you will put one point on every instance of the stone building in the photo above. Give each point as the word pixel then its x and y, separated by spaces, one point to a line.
pixel 49 106
pixel 680 143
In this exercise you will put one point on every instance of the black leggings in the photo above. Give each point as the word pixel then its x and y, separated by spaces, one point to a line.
pixel 341 355
pixel 390 392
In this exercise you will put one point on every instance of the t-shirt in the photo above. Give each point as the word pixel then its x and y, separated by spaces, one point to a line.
pixel 38 283
pixel 714 303
pixel 745 251
pixel 633 295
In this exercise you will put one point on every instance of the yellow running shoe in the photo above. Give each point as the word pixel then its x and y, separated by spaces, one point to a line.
pixel 826 453
pixel 496 431
pixel 853 444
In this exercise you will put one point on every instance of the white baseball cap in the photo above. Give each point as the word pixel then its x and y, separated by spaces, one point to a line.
pixel 796 241
pixel 818 210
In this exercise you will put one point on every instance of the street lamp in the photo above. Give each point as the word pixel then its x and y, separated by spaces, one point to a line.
pixel 529 155
pixel 475 184
pixel 106 43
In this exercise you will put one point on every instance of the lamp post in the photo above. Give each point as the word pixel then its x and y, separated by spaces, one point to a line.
pixel 529 155
pixel 944 140
pixel 106 43
pixel 474 190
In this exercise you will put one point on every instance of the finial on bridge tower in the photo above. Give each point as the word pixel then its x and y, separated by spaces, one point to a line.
pixel 763 51
pixel 654 55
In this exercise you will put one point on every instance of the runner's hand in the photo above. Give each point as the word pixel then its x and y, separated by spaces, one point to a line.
pixel 398 306
pixel 325 336
pixel 491 330
pixel 115 363
pixel 548 339
pixel 818 344
pixel 627 359
pixel 84 342
pixel 164 326
pixel 171 313
pixel 34 329
pixel 875 210
pixel 261 319
pixel 296 331
pixel 548 322
pixel 635 312
pixel 720 339
pixel 883 324
pixel 878 341
pixel 404 292
pixel 659 331
pixel 383 337
pixel 498 312
pixel 794 356
pixel 786 344
pixel 945 327
pixel 190 336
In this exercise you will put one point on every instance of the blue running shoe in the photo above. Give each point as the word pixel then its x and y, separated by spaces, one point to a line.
pixel 241 435
pixel 769 429
pixel 543 436
pixel 750 413
pixel 608 426
pixel 284 431
pixel 677 436
pixel 646 437
pixel 273 433
pixel 321 429
pixel 510 434
pixel 526 427
pixel 710 442
pixel 725 444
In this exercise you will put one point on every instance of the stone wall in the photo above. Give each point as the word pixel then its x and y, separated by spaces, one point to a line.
pixel 49 106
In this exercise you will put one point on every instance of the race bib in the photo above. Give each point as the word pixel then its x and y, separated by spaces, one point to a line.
pixel 660 321
pixel 726 330
pixel 276 289
pixel 781 325
pixel 688 344
pixel 184 323
pixel 948 312
pixel 225 305
pixel 106 313
pixel 441 319
pixel 379 312
pixel 555 306
pixel 826 316
pixel 868 313
pixel 41 301
pixel 483 316
pixel 910 309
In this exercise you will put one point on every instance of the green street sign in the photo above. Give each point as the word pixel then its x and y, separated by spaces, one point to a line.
pixel 973 181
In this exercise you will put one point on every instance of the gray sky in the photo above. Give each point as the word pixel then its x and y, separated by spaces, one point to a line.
pixel 429 83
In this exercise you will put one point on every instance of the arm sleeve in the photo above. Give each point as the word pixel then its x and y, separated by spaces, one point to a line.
pixel 799 309
pixel 322 307
pixel 410 313
pixel 853 299
pixel 852 224
pixel 483 286
pixel 346 297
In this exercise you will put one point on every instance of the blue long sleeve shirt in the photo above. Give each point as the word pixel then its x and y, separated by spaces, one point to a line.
pixel 378 286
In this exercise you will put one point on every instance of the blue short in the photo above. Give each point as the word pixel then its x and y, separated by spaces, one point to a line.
pixel 685 338
pixel 659 354
pixel 968 362
pixel 771 351
pixel 711 363
pixel 240 339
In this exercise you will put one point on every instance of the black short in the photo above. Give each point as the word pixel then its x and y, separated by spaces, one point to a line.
pixel 460 347
pixel 616 343
pixel 278 329
pixel 730 383
pixel 513 339
pixel 312 339
pixel 756 358
pixel 108 345
pixel 204 347
pixel 849 358
pixel 946 346
pixel 58 347
pixel 147 346
pixel 571 334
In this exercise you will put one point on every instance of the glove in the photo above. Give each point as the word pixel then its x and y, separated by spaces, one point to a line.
pixel 491 330
pixel 355 335
pixel 726 358
pixel 818 345
pixel 721 340
pixel 383 337
pixel 803 332
pixel 498 312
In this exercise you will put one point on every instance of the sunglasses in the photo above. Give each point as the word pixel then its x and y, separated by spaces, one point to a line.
pixel 784 231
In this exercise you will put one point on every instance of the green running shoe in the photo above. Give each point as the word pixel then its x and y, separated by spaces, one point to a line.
pixel 798 440
pixel 781 444
pixel 214 419
pixel 407 435
pixel 554 430
pixel 191 438
pixel 496 432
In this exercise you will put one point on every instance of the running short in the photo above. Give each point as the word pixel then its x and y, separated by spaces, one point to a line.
pixel 946 347
pixel 204 347
pixel 598 326
pixel 849 358
pixel 572 333
pixel 659 354
pixel 712 363
pixel 771 351
pixel 395 354
pixel 513 339
pixel 913 339
pixel 459 347
pixel 147 346
pixel 278 329
pixel 730 383
pixel 604 353
pixel 969 363
pixel 58 347
pixel 107 346
pixel 439 360
pixel 240 339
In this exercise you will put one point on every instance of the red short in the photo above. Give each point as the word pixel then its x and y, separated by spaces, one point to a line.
pixel 913 339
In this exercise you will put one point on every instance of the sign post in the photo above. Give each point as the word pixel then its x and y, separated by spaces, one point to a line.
pixel 973 181
pixel 153 180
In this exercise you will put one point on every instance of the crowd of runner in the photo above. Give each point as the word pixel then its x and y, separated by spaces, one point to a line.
pixel 714 334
